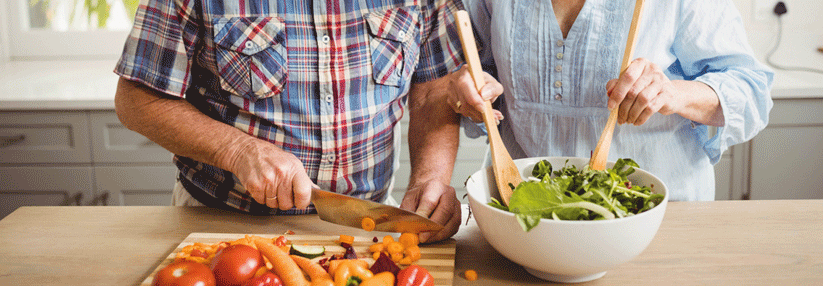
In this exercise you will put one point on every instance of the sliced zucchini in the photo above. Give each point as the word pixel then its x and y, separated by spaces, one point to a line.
pixel 307 251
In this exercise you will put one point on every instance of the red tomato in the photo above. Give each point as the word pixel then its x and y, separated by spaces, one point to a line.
pixel 414 275
pixel 280 241
pixel 267 279
pixel 184 273
pixel 235 264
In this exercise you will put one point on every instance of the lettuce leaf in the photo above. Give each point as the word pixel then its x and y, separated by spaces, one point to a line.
pixel 572 194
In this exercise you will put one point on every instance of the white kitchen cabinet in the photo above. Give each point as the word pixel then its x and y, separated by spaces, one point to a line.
pixel 79 157
pixel 135 186
pixel 44 137
pixel 112 142
pixel 44 186
pixel 786 157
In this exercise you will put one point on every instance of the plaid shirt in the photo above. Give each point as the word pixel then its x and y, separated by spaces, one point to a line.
pixel 324 80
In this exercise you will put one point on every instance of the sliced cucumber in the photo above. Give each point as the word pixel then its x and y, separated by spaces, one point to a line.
pixel 307 251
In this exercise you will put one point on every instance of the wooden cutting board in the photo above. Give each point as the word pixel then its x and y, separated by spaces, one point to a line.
pixel 438 258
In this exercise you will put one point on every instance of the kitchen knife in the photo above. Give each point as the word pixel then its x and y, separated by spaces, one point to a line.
pixel 350 211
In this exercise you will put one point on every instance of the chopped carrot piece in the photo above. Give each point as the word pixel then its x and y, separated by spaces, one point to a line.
pixel 348 239
pixel 388 238
pixel 377 247
pixel 394 247
pixel 367 224
pixel 409 239
pixel 470 275
pixel 413 253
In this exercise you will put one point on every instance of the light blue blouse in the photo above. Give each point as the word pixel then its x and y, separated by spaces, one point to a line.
pixel 555 96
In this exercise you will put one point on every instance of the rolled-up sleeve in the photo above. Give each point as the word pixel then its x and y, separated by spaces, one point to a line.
pixel 712 48
pixel 161 45
pixel 440 49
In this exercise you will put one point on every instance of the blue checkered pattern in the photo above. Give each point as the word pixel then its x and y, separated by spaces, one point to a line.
pixel 324 80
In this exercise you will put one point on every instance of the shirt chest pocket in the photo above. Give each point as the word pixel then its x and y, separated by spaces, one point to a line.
pixel 251 55
pixel 395 44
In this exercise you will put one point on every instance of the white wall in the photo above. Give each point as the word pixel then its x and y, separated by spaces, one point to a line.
pixel 802 31
pixel 4 34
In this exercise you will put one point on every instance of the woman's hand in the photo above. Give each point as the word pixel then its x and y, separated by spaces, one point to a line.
pixel 641 91
pixel 272 176
pixel 464 99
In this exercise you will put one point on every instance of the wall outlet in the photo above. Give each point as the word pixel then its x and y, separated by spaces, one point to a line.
pixel 764 9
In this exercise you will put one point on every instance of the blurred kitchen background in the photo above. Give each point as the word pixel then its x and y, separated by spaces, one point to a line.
pixel 61 142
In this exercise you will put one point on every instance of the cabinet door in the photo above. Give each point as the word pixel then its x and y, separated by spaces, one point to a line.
pixel 722 178
pixel 44 137
pixel 786 157
pixel 111 142
pixel 44 186
pixel 135 186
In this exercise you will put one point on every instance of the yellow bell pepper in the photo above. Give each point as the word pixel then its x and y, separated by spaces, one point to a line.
pixel 349 272
pixel 380 279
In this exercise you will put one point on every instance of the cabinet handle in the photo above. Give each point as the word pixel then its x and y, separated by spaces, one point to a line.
pixel 10 140
pixel 101 200
pixel 78 199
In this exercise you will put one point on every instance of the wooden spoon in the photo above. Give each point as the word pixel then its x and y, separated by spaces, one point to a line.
pixel 601 152
pixel 506 174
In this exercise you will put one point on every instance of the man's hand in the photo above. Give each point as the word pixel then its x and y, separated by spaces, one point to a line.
pixel 641 91
pixel 438 202
pixel 463 97
pixel 272 176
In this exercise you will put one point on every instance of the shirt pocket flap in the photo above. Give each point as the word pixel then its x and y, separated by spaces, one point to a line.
pixel 248 35
pixel 394 24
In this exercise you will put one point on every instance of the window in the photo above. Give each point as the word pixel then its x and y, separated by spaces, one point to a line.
pixel 60 29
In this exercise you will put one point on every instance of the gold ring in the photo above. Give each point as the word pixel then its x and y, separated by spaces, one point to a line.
pixel 457 104
pixel 272 198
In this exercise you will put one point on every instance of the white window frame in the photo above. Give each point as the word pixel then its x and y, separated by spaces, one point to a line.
pixel 34 44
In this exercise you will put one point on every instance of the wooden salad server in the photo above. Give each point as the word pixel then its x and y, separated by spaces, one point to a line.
pixel 506 174
pixel 601 152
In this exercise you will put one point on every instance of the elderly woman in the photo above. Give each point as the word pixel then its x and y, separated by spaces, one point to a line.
pixel 559 62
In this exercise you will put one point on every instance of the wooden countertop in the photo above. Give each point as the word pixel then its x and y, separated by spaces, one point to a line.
pixel 709 243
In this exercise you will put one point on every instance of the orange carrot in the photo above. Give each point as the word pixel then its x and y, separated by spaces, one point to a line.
pixel 282 264
pixel 348 239
pixel 470 275
pixel 409 239
pixel 315 271
pixel 367 224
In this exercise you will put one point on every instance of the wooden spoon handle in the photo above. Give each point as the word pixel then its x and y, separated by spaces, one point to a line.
pixel 506 172
pixel 601 152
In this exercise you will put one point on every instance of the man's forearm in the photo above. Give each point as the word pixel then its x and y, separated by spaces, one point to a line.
pixel 178 126
pixel 434 130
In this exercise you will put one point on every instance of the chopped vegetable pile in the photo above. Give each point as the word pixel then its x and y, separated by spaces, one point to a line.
pixel 572 194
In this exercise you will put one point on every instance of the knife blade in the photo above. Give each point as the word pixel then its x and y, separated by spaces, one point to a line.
pixel 350 211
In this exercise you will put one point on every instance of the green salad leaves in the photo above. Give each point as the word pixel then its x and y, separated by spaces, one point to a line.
pixel 572 194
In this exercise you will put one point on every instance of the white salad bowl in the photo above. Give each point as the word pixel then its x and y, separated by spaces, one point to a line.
pixel 564 251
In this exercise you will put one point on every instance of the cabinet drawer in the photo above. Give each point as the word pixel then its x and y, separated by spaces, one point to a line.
pixel 135 186
pixel 44 137
pixel 44 186
pixel 111 142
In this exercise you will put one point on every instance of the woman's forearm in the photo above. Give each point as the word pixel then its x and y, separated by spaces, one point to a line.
pixel 701 103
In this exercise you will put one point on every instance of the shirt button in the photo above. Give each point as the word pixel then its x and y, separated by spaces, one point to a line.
pixel 558 68
pixel 329 98
pixel 249 44
pixel 559 43
pixel 559 56
pixel 558 96
pixel 401 34
pixel 326 39
pixel 330 158
pixel 558 84
pixel 202 90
